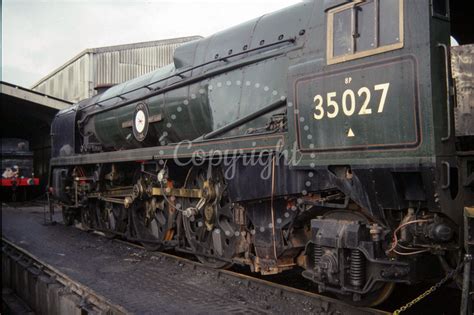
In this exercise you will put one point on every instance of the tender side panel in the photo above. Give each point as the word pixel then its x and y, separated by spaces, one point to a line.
pixel 371 106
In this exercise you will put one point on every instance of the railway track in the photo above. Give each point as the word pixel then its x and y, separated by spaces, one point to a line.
pixel 90 300
pixel 16 260
pixel 125 273
pixel 278 289
pixel 35 282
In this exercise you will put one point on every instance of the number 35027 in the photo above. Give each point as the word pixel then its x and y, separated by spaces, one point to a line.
pixel 350 104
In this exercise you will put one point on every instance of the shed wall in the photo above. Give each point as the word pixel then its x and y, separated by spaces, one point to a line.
pixel 77 79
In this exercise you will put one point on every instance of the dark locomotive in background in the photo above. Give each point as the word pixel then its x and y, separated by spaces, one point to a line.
pixel 18 179
pixel 347 108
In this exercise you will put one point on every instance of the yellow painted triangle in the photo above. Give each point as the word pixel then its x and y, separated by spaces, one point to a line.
pixel 350 133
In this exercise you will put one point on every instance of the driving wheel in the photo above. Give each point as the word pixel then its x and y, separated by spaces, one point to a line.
pixel 111 218
pixel 209 222
pixel 152 223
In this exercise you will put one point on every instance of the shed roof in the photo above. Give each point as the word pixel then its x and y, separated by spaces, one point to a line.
pixel 26 95
pixel 154 43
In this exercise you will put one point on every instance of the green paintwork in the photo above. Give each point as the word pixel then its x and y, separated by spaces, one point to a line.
pixel 408 131
pixel 346 124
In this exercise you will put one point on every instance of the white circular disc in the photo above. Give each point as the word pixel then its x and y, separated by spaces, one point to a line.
pixel 140 121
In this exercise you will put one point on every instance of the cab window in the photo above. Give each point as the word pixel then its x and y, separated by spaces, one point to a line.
pixel 363 28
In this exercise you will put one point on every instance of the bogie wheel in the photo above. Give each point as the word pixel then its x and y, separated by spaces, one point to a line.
pixel 151 223
pixel 373 298
pixel 381 291
pixel 211 230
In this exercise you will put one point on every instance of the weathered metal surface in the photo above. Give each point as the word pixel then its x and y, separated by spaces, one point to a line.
pixel 205 98
pixel 178 192
pixel 401 124
pixel 207 149
pixel 332 106
pixel 125 64
pixel 43 97
pixel 375 129
pixel 462 67
pixel 78 78
pixel 73 81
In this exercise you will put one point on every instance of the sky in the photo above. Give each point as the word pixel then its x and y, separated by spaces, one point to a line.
pixel 40 35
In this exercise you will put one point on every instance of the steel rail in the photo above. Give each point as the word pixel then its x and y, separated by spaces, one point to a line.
pixel 84 292
pixel 277 288
pixel 105 304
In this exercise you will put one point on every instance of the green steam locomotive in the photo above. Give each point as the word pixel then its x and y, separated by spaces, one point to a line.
pixel 321 136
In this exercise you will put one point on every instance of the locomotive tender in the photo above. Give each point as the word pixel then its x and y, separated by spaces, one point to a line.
pixel 320 136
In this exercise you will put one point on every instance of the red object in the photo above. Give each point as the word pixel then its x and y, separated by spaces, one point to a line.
pixel 20 182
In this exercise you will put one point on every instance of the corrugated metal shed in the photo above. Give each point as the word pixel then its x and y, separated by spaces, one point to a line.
pixel 78 78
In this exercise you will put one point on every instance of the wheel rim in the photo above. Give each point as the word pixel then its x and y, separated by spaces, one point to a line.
pixel 383 294
pixel 152 225
pixel 111 218
pixel 373 298
pixel 382 290
pixel 88 219
pixel 211 231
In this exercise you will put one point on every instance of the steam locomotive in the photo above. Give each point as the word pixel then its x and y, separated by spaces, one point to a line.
pixel 17 169
pixel 321 136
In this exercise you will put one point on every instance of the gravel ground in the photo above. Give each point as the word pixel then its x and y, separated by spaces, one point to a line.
pixel 144 282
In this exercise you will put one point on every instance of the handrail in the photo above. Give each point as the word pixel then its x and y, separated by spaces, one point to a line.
pixel 448 175
pixel 156 91
pixel 245 119
pixel 448 88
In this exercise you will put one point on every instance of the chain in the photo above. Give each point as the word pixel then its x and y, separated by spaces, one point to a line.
pixel 435 287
